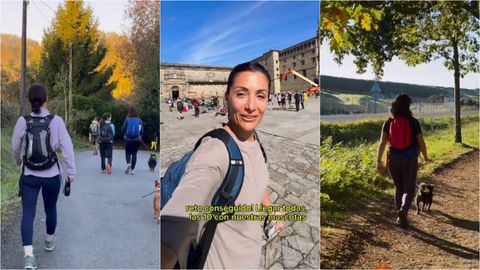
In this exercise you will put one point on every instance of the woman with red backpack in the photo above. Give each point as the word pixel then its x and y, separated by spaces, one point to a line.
pixel 132 131
pixel 404 134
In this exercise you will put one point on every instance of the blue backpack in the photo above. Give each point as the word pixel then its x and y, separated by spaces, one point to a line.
pixel 133 127
pixel 226 194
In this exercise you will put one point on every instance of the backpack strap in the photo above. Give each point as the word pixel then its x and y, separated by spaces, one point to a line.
pixel 255 134
pixel 226 194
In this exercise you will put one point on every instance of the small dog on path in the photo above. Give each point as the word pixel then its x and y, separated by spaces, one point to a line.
pixel 156 202
pixel 424 196
pixel 152 162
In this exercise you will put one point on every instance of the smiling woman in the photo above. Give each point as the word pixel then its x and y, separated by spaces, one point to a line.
pixel 202 243
pixel 246 98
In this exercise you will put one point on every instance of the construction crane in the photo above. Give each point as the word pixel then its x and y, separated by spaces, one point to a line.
pixel 314 87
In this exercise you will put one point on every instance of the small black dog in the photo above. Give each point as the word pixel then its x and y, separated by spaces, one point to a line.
pixel 152 161
pixel 424 196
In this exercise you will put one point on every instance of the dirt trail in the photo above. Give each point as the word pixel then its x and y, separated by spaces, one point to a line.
pixel 445 237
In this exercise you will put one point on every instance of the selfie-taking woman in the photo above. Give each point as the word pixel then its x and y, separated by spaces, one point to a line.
pixel 236 244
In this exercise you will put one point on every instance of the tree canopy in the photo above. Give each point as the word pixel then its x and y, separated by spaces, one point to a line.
pixel 75 26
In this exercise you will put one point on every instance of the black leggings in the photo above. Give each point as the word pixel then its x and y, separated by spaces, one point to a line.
pixel 131 149
pixel 30 187
pixel 403 171
pixel 106 152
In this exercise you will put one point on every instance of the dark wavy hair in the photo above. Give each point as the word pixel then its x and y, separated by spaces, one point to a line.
pixel 37 95
pixel 401 106
pixel 247 66
pixel 132 111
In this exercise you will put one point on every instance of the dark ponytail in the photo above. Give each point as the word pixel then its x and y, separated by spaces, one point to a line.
pixel 37 95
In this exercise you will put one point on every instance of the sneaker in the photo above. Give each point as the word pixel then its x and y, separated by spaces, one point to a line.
pixel 132 172
pixel 50 245
pixel 30 262
pixel 109 169
pixel 104 171
pixel 127 171
pixel 402 217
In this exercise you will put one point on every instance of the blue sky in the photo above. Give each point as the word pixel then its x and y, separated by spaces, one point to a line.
pixel 229 33
pixel 110 15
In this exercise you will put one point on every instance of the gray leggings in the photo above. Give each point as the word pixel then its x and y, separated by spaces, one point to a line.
pixel 403 171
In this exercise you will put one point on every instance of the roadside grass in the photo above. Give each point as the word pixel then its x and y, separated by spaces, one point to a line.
pixel 347 166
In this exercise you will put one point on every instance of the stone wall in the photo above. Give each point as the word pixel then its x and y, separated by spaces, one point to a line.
pixel 192 80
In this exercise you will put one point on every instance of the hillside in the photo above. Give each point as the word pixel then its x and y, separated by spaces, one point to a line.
pixel 11 47
pixel 389 89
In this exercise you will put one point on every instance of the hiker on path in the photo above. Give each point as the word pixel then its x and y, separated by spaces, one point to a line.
pixel 40 167
pixel 404 134
pixel 105 141
pixel 236 244
pixel 94 130
pixel 132 131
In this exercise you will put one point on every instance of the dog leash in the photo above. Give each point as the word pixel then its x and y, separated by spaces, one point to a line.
pixel 150 193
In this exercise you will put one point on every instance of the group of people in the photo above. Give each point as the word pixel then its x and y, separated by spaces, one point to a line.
pixel 182 105
pixel 290 98
pixel 102 134
pixel 36 138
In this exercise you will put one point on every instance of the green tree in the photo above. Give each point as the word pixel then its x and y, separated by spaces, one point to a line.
pixel 143 49
pixel 74 32
pixel 415 31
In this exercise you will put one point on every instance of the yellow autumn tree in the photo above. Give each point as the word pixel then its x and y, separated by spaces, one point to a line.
pixel 115 58
pixel 11 48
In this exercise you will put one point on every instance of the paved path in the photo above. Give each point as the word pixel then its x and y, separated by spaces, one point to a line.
pixel 105 223
pixel 291 140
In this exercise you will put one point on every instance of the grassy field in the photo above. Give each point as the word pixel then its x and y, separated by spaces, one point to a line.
pixel 351 103
pixel 348 159
pixel 10 172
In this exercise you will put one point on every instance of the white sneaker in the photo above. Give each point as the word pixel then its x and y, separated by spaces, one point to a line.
pixel 132 172
pixel 128 169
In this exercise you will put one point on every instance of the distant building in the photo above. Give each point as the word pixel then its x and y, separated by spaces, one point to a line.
pixel 183 80
pixel 302 57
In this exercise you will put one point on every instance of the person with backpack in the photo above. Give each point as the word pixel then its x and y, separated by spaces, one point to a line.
pixel 180 109
pixel 105 141
pixel 35 139
pixel 403 133
pixel 132 131
pixel 94 130
pixel 226 167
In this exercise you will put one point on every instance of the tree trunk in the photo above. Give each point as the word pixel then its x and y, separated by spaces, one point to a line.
pixel 70 102
pixel 456 94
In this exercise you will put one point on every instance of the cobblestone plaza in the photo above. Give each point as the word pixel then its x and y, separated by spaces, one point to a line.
pixel 291 141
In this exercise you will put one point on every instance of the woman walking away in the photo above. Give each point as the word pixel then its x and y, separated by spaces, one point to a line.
pixel 105 140
pixel 94 130
pixel 35 139
pixel 234 148
pixel 132 131
pixel 404 134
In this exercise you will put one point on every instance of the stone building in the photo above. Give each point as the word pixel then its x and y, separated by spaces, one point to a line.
pixel 302 57
pixel 180 80
pixel 184 80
